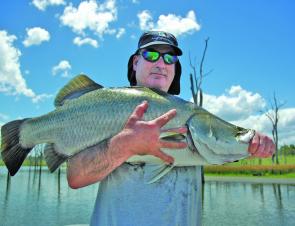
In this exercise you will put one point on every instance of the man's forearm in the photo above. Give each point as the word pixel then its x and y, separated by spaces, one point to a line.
pixel 95 163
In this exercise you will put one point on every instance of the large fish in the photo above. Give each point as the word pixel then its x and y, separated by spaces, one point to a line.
pixel 86 114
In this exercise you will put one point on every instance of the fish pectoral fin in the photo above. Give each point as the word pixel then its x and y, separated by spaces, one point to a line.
pixel 53 158
pixel 77 87
pixel 155 172
pixel 172 136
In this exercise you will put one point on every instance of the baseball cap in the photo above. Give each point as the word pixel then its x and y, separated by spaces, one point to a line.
pixel 150 38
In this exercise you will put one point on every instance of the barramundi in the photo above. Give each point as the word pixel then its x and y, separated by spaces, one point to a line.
pixel 86 114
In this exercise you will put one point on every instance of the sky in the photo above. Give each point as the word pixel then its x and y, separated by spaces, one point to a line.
pixel 250 54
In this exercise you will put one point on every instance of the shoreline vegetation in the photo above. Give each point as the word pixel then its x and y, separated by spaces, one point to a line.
pixel 255 168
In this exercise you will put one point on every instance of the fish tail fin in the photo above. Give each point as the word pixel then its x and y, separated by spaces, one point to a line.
pixel 53 158
pixel 13 154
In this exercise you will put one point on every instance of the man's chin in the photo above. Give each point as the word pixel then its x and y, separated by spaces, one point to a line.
pixel 158 87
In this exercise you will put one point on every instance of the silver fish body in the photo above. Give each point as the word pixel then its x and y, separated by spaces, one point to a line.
pixel 86 118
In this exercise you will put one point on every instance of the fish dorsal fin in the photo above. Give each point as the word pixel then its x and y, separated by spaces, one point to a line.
pixel 76 87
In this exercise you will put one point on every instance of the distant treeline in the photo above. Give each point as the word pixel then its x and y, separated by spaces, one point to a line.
pixel 287 149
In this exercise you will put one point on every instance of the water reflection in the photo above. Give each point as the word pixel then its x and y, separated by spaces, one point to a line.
pixel 8 182
pixel 39 183
pixel 43 198
pixel 278 195
pixel 227 203
pixel 46 199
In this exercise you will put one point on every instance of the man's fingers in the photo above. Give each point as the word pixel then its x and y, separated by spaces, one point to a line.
pixel 273 148
pixel 261 146
pixel 173 145
pixel 254 144
pixel 163 119
pixel 164 157
pixel 266 147
pixel 261 151
pixel 138 112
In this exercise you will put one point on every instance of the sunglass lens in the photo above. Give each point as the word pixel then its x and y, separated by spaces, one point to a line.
pixel 170 59
pixel 151 56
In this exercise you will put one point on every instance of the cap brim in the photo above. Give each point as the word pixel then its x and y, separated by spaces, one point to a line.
pixel 178 50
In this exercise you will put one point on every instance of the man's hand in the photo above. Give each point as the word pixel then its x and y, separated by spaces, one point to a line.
pixel 144 136
pixel 261 146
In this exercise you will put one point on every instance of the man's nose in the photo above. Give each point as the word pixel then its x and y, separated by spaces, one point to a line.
pixel 160 62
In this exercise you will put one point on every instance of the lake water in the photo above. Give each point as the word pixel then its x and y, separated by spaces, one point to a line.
pixel 29 199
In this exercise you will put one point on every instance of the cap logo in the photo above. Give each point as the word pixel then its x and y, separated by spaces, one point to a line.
pixel 160 38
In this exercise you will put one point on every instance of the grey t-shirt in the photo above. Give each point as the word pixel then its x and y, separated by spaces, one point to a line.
pixel 124 198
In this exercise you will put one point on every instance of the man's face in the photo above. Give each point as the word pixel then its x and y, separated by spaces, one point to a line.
pixel 154 74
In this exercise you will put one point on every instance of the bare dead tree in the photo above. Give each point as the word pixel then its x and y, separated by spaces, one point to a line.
pixel 196 85
pixel 196 81
pixel 273 116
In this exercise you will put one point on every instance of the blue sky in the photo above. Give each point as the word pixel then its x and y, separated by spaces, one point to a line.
pixel 251 52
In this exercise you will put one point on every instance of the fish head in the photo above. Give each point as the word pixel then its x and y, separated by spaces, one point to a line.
pixel 214 138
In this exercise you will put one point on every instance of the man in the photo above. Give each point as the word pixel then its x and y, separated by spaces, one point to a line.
pixel 123 197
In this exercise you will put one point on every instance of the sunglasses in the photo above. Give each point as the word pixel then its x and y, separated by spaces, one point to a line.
pixel 153 56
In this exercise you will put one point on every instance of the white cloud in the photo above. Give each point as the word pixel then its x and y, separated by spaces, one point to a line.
pixel 41 97
pixel 242 107
pixel 42 4
pixel 85 41
pixel 35 36
pixel 11 79
pixel 235 104
pixel 145 20
pixel 286 125
pixel 174 24
pixel 90 16
pixel 62 68
pixel 120 32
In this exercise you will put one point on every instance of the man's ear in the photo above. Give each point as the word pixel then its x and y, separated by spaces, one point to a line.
pixel 135 61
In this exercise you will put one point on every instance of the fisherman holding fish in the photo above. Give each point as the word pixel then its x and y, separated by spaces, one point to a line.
pixel 123 197
pixel 143 144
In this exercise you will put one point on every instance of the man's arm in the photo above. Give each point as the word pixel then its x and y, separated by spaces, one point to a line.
pixel 137 138
pixel 95 163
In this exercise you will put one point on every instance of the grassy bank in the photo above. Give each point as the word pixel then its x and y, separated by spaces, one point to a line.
pixel 287 171
pixel 283 160
pixel 255 167
pixel 286 175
